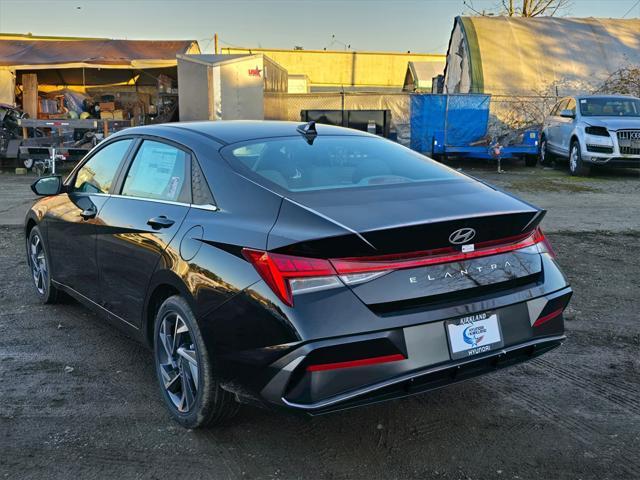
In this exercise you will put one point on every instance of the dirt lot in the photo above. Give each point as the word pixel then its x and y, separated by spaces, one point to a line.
pixel 572 414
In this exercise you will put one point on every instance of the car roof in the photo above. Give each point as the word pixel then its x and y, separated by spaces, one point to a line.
pixel 233 131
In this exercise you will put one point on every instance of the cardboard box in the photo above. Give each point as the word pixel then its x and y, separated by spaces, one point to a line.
pixel 107 106
pixel 118 114
pixel 106 115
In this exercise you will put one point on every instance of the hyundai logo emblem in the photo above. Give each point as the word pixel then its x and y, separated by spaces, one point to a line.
pixel 462 235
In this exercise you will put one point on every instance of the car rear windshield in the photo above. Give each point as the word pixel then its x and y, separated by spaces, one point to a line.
pixel 610 107
pixel 333 162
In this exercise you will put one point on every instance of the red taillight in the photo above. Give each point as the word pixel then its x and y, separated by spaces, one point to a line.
pixel 544 246
pixel 437 256
pixel 278 270
pixel 356 363
pixel 544 319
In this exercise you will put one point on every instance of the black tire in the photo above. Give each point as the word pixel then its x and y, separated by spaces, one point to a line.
pixel 40 266
pixel 530 160
pixel 577 167
pixel 546 157
pixel 186 372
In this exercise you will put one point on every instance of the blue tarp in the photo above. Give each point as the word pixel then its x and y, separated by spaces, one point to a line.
pixel 426 117
pixel 460 119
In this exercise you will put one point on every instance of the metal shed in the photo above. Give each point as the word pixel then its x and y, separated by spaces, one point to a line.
pixel 228 87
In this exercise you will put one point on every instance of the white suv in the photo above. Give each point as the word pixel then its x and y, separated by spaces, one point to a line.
pixel 593 130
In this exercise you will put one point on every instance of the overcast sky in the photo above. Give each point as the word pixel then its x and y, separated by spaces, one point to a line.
pixel 416 25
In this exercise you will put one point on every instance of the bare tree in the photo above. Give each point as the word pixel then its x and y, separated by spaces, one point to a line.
pixel 523 8
pixel 534 8
pixel 624 81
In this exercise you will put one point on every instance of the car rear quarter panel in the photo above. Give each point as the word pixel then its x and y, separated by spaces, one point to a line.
pixel 205 256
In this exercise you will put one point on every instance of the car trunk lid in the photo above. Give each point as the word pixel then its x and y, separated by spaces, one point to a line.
pixel 397 219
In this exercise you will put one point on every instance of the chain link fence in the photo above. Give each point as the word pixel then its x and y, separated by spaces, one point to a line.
pixel 509 115
pixel 287 106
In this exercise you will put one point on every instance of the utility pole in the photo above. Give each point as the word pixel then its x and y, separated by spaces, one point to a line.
pixel 215 43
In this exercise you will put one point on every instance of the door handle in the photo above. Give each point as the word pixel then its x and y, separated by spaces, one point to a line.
pixel 160 222
pixel 88 213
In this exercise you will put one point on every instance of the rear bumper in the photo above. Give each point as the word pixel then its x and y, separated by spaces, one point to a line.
pixel 435 377
pixel 427 362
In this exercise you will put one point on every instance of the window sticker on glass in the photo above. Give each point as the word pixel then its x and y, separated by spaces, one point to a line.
pixel 158 171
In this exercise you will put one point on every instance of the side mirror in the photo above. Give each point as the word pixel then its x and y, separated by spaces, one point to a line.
pixel 51 185
pixel 567 114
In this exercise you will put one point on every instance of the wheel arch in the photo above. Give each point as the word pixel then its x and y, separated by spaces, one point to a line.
pixel 163 284
pixel 30 222
pixel 35 217
pixel 574 138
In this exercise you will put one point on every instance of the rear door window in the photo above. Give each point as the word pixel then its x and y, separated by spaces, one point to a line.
pixel 98 173
pixel 159 171
pixel 329 162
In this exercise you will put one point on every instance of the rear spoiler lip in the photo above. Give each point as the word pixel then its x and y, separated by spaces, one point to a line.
pixel 437 220
pixel 535 221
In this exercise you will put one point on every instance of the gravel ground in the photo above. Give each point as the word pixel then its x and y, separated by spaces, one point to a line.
pixel 80 400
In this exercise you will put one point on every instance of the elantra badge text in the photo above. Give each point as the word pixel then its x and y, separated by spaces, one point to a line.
pixel 463 272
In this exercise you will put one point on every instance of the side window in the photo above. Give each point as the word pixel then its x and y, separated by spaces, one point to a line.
pixel 199 187
pixel 571 105
pixel 97 175
pixel 158 171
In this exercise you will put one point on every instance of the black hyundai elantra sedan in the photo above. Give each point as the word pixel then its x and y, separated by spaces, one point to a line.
pixel 285 265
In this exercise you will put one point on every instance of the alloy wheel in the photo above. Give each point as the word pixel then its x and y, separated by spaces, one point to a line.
pixel 573 158
pixel 38 262
pixel 178 362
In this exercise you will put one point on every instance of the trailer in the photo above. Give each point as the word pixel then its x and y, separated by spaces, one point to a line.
pixel 229 87
pixel 372 121
pixel 457 125
pixel 65 140
pixel 527 149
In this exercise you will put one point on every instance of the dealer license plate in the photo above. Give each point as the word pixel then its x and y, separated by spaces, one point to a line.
pixel 473 335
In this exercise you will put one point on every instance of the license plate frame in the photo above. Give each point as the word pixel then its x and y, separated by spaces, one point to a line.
pixel 473 335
